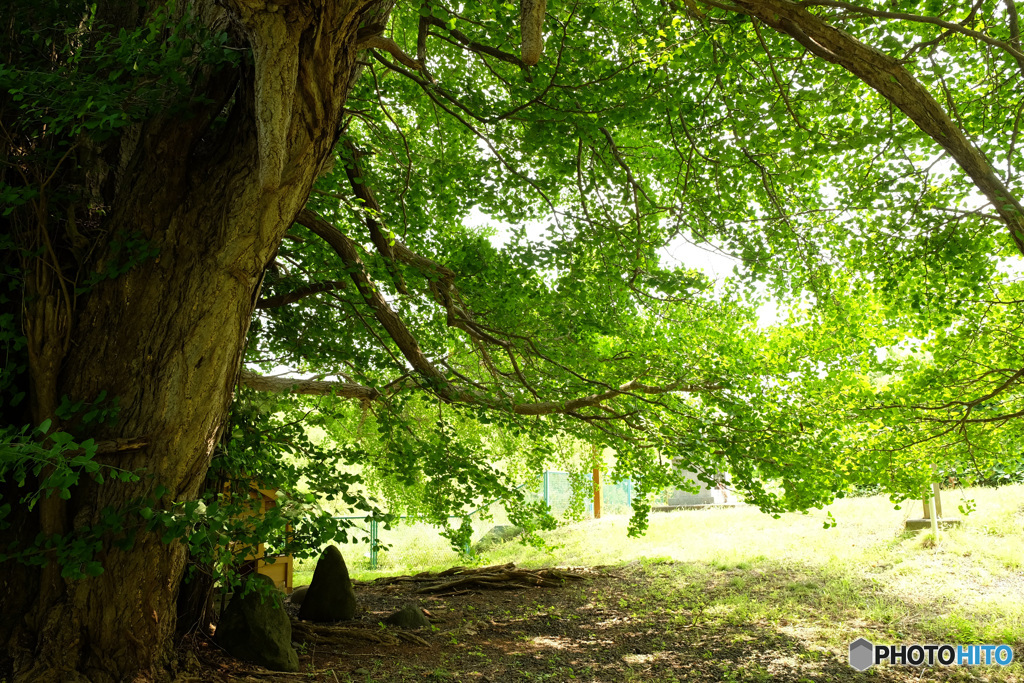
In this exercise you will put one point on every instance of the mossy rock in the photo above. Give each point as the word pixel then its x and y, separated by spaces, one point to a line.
pixel 255 627
pixel 410 617
pixel 298 595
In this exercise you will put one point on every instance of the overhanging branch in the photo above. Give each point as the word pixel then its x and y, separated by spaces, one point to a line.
pixel 379 42
pixel 1012 50
pixel 890 79
pixel 357 179
pixel 298 294
pixel 470 44
pixel 309 387
pixel 345 248
pixel 437 382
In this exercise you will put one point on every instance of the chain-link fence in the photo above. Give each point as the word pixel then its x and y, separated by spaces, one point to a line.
pixel 411 545
pixel 567 503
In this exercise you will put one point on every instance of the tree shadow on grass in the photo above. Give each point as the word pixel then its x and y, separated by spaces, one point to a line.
pixel 700 622
pixel 646 621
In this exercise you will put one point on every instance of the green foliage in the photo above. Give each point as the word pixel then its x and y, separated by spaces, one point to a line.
pixel 631 134
pixel 45 463
pixel 545 205
pixel 430 463
pixel 1004 472
pixel 78 77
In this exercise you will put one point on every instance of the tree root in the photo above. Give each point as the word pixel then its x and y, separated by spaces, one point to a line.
pixel 496 577
pixel 411 638
pixel 304 631
pixel 321 633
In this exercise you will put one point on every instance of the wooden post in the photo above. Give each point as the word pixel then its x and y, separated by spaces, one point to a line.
pixel 597 493
pixel 933 515
pixel 932 512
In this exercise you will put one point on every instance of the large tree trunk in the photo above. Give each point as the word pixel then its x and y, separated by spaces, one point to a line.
pixel 167 337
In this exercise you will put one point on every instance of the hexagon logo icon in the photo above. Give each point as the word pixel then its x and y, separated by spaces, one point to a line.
pixel 862 654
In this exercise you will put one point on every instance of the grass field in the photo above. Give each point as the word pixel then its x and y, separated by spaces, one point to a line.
pixel 865 577
pixel 821 588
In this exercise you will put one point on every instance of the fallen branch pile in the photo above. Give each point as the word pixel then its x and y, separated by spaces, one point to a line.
pixel 496 577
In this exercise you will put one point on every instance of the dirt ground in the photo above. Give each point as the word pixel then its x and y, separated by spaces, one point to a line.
pixel 614 625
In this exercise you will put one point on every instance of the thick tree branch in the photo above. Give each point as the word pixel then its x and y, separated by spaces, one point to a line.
pixel 531 29
pixel 439 384
pixel 887 76
pixel 1014 51
pixel 421 39
pixel 432 90
pixel 1011 11
pixel 300 293
pixel 389 320
pixel 379 42
pixel 121 445
pixel 114 446
pixel 362 191
pixel 310 387
pixel 574 405
pixel 470 44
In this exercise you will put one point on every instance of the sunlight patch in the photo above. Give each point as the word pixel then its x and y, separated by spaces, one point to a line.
pixel 554 642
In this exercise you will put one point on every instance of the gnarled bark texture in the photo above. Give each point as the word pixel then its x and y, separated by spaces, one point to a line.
pixel 166 338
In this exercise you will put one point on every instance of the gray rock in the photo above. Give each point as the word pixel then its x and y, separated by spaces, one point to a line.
pixel 500 533
pixel 330 596
pixel 410 617
pixel 256 628
pixel 298 595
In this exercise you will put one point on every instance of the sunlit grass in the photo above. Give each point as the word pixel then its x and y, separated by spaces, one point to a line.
pixel 408 548
pixel 869 534
pixel 865 577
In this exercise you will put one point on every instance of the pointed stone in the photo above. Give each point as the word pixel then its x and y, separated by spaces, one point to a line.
pixel 330 596
pixel 256 628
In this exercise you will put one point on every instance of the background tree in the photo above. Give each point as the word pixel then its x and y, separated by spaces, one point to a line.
pixel 160 176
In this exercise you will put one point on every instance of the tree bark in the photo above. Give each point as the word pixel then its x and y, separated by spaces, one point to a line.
pixel 166 338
